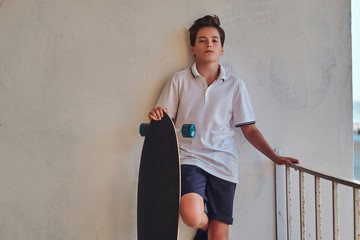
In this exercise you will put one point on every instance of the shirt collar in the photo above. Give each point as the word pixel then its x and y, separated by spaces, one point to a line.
pixel 195 73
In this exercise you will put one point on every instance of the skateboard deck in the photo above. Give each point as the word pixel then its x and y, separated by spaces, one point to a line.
pixel 159 183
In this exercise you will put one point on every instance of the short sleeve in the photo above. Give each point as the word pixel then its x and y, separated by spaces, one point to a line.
pixel 243 113
pixel 169 97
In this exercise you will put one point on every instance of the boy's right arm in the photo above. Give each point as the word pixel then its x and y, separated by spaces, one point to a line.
pixel 157 113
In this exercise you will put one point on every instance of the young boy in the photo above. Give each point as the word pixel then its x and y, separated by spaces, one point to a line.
pixel 215 102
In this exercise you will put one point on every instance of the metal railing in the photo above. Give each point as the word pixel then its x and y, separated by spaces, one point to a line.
pixel 284 218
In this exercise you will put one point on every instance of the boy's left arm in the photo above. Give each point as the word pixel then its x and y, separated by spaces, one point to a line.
pixel 254 136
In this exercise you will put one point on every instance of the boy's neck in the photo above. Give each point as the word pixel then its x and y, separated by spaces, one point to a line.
pixel 210 71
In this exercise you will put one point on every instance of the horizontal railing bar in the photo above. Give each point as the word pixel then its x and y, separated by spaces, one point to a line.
pixel 343 181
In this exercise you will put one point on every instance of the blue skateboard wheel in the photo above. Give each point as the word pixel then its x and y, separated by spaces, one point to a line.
pixel 188 130
pixel 143 129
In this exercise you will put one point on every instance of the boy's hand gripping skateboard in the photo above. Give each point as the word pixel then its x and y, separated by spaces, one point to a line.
pixel 159 180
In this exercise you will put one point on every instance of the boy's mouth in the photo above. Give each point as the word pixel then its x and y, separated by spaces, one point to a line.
pixel 209 51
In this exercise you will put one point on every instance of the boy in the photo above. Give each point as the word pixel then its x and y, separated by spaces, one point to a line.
pixel 215 102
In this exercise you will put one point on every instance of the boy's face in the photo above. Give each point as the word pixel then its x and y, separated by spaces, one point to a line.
pixel 207 45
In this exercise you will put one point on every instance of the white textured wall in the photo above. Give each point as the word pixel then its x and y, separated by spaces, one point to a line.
pixel 77 78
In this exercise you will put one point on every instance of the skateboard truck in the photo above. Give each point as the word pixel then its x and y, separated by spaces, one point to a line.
pixel 187 130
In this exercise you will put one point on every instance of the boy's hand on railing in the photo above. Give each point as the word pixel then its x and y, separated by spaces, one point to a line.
pixel 285 160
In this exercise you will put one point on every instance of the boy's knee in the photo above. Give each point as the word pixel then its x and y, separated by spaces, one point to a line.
pixel 193 218
pixel 192 210
pixel 192 221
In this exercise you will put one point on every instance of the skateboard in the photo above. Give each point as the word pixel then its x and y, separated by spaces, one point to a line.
pixel 159 180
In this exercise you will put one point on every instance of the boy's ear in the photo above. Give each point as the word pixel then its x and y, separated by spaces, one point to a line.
pixel 192 49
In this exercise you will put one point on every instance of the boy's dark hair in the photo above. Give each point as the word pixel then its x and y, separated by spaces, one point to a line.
pixel 206 21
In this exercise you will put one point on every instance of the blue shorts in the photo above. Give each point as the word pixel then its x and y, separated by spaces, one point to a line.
pixel 217 193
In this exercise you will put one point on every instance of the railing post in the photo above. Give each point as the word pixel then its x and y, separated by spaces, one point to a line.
pixel 318 208
pixel 356 214
pixel 335 194
pixel 280 208
pixel 288 203
pixel 302 205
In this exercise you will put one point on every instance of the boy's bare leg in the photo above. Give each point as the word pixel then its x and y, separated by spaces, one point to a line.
pixel 192 211
pixel 218 230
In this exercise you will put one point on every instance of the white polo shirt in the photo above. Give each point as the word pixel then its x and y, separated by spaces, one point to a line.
pixel 215 110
